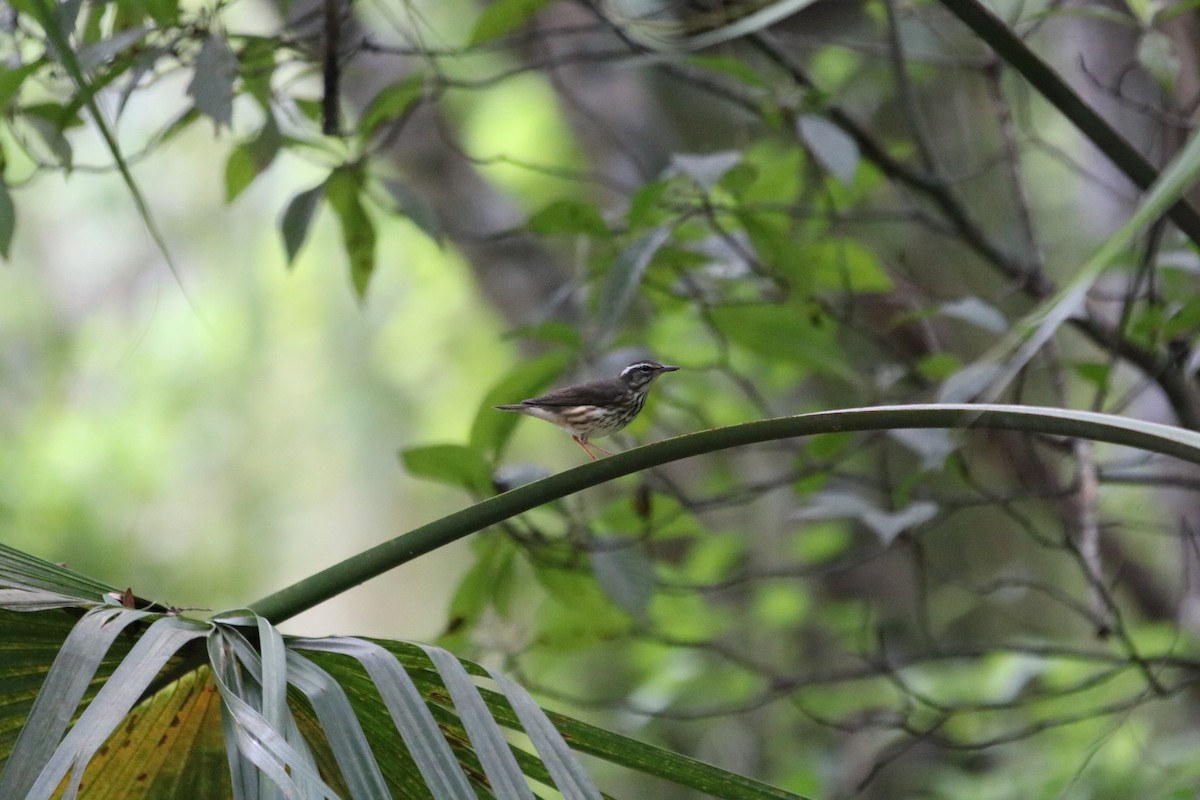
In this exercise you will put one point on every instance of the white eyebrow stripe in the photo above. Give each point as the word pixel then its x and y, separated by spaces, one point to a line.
pixel 638 365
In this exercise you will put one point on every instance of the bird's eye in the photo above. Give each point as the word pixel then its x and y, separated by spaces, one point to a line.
pixel 646 369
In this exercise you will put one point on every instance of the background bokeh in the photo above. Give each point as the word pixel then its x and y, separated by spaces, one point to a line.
pixel 849 208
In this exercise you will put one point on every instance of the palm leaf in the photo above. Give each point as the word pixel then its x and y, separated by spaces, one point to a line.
pixel 98 700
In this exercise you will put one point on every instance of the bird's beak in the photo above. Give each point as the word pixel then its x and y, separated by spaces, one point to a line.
pixel 667 368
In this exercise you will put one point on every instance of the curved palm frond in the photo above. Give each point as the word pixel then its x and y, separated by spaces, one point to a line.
pixel 98 700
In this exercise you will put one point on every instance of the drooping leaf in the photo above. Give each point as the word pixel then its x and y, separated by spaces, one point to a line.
pixel 410 714
pixel 254 747
pixel 211 88
pixel 297 218
pixel 350 747
pixel 160 642
pixel 503 772
pixel 250 159
pixel 57 32
pixel 171 743
pixel 679 35
pixel 343 189
pixel 623 278
pixel 569 775
pixel 240 170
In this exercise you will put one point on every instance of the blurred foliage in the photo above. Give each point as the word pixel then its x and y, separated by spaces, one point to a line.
pixel 850 207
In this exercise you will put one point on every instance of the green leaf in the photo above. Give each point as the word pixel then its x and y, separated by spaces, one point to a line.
pixel 343 190
pixel 164 12
pixel 1097 375
pixel 257 66
pixel 453 464
pixel 11 81
pixel 729 65
pixel 647 207
pixel 370 699
pixel 240 170
pixel 938 367
pixel 489 581
pixel 568 216
pixel 390 103
pixel 559 334
pixel 297 218
pixel 250 159
pixel 503 16
pixel 492 429
pixel 8 220
pixel 57 28
pixel 772 239
pixel 623 278
pixel 843 264
pixel 789 333
pixel 625 575
pixel 211 88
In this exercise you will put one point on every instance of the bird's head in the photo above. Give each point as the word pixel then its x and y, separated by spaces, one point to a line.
pixel 639 374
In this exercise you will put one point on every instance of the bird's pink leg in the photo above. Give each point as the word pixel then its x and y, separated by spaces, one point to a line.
pixel 585 447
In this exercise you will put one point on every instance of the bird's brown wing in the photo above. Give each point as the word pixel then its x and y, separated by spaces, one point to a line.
pixel 585 394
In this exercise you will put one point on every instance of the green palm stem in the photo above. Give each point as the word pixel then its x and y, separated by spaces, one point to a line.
pixel 334 580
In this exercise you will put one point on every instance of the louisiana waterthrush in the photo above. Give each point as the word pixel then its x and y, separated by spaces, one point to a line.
pixel 597 408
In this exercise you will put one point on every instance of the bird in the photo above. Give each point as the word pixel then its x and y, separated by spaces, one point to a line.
pixel 596 408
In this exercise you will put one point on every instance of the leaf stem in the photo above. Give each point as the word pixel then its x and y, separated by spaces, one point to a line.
pixel 332 581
